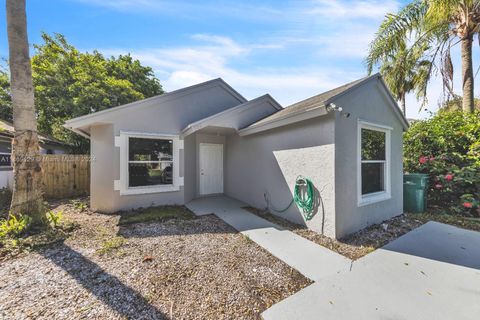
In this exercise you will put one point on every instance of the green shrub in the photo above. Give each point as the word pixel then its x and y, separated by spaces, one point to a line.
pixel 14 226
pixel 54 218
pixel 5 199
pixel 447 148
pixel 79 205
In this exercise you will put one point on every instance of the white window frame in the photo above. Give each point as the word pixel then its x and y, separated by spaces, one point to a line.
pixel 122 142
pixel 370 198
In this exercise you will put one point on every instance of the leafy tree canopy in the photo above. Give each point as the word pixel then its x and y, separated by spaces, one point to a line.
pixel 5 98
pixel 69 83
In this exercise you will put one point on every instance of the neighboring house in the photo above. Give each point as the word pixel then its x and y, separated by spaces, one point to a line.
pixel 207 139
pixel 48 145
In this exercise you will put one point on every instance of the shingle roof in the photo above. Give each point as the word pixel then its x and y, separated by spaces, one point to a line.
pixel 307 104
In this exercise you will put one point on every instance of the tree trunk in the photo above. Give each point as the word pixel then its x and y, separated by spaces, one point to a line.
pixel 403 104
pixel 467 74
pixel 27 194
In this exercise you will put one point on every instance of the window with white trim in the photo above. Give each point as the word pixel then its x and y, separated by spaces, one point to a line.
pixel 150 162
pixel 374 163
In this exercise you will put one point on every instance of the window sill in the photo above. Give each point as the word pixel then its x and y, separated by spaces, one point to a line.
pixel 147 190
pixel 373 198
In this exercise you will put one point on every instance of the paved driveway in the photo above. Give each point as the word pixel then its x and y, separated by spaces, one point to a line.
pixel 432 272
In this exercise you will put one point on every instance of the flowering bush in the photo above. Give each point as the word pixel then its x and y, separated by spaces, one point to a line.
pixel 447 148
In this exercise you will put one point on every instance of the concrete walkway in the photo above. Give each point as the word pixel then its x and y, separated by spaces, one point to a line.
pixel 313 261
pixel 432 272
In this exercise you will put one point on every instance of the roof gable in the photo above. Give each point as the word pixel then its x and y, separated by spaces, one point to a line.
pixel 104 115
pixel 239 116
pixel 315 106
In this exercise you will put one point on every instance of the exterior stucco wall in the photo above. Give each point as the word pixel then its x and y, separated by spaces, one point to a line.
pixel 190 167
pixel 168 118
pixel 101 169
pixel 270 162
pixel 367 103
pixel 172 116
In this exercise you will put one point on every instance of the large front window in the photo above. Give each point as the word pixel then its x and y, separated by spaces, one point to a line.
pixel 373 163
pixel 150 162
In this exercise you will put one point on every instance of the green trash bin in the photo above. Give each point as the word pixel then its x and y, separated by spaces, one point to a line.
pixel 415 192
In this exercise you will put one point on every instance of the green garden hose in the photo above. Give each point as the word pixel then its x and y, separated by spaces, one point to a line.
pixel 303 196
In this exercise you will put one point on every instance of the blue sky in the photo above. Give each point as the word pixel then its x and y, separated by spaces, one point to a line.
pixel 290 49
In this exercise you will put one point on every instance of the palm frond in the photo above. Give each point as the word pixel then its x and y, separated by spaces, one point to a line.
pixel 393 32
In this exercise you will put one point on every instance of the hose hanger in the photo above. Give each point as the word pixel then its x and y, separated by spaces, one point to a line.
pixel 304 197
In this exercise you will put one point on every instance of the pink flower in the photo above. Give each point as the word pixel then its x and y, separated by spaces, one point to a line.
pixel 432 158
pixel 468 205
pixel 423 160
pixel 449 177
pixel 438 186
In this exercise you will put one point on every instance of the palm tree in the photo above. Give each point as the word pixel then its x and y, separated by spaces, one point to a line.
pixel 405 71
pixel 27 195
pixel 436 26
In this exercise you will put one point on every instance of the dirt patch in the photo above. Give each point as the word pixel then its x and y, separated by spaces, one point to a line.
pixel 193 268
pixel 367 240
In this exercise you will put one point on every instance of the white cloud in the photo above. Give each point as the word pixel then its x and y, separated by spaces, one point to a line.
pixel 211 58
pixel 317 29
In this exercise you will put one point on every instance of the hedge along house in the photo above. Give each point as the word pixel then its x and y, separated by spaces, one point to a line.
pixel 207 139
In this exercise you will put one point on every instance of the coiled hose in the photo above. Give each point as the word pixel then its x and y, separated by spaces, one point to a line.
pixel 303 196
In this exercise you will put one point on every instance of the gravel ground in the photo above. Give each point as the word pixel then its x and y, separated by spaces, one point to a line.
pixel 178 269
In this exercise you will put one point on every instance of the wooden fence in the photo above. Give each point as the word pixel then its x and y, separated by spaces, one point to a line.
pixel 65 175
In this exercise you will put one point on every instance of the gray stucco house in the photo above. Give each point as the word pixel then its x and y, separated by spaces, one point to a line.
pixel 208 139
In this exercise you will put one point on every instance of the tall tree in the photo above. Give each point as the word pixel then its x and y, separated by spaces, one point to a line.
pixel 69 83
pixel 404 72
pixel 436 26
pixel 27 194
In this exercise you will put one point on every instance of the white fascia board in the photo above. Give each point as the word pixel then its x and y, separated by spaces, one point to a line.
pixel 77 131
pixel 290 119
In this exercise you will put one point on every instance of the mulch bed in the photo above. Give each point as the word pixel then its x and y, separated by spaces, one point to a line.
pixel 367 240
pixel 196 268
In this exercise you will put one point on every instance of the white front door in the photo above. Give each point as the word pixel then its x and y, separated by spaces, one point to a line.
pixel 211 168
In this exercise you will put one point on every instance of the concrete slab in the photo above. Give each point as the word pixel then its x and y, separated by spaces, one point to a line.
pixel 209 205
pixel 429 273
pixel 312 260
pixel 441 242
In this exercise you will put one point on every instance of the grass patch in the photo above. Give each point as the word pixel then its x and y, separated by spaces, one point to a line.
pixel 112 244
pixel 156 214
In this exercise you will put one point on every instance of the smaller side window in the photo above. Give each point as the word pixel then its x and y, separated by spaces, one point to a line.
pixel 374 163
